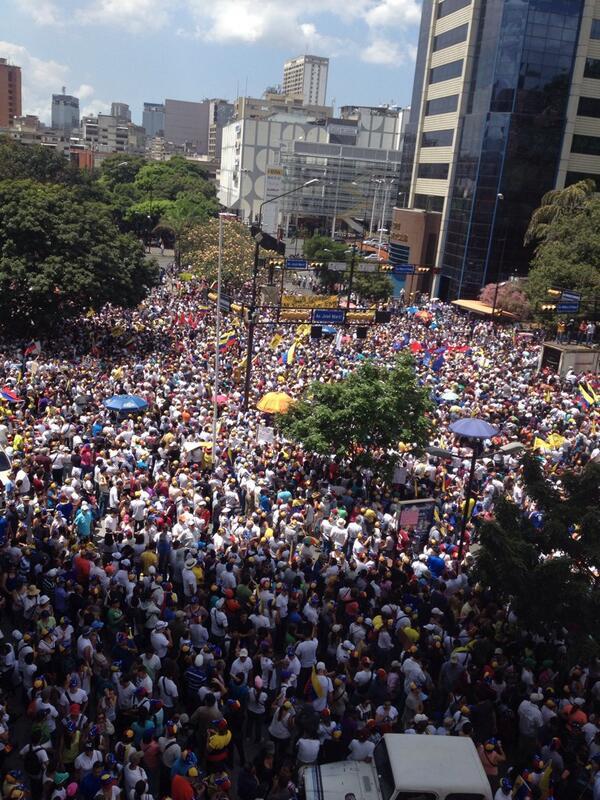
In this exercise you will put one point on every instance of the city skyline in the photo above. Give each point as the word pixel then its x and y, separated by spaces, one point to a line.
pixel 145 50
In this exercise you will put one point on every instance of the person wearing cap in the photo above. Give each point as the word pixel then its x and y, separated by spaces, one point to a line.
pixel 530 722
pixel 242 665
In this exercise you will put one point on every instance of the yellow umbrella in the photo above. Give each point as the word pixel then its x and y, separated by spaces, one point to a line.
pixel 274 403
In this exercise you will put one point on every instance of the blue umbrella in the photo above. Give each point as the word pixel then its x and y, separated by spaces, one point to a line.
pixel 474 428
pixel 125 403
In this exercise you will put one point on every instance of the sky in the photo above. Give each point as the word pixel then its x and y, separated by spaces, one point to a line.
pixel 134 51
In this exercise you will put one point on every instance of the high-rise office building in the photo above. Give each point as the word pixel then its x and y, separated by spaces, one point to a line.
pixel 153 119
pixel 121 111
pixel 10 93
pixel 505 106
pixel 306 77
pixel 65 112
pixel 187 124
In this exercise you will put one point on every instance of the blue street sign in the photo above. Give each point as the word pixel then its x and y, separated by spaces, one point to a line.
pixel 403 269
pixel 225 303
pixel 568 303
pixel 296 263
pixel 326 316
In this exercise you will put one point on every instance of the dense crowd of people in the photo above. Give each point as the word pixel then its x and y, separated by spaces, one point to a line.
pixel 191 624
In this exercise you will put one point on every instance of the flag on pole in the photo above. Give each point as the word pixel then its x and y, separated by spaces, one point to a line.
pixel 227 340
pixel 276 341
pixel 33 349
pixel 289 356
pixel 338 340
pixel 540 444
pixel 438 363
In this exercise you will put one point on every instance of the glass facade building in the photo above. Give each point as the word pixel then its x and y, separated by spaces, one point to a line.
pixel 504 120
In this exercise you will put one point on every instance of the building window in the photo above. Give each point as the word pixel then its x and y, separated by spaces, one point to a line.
pixel 437 138
pixel 587 145
pixel 595 32
pixel 589 107
pixel 454 36
pixel 575 177
pixel 438 172
pixel 446 72
pixel 592 68
pixel 450 6
pixel 428 202
pixel 441 105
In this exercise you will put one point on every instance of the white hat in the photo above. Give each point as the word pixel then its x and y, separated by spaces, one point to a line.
pixel 243 652
pixel 421 718
pixel 161 625
pixel 579 701
pixel 320 666
pixel 536 697
pixel 190 563
pixel 437 612
pixel 44 599
pixel 347 645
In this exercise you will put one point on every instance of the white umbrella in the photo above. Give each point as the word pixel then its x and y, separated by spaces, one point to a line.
pixel 449 395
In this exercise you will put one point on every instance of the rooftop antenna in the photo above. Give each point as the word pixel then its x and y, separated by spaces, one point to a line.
pixel 64 88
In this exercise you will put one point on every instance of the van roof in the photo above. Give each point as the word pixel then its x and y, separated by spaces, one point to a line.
pixel 443 764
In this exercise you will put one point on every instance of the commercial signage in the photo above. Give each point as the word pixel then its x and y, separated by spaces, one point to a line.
pixel 296 263
pixel 309 301
pixel 328 316
pixel 337 266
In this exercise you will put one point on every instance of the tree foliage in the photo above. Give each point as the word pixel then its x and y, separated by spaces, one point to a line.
pixel 373 286
pixel 556 206
pixel 202 252
pixel 364 417
pixel 548 574
pixel 510 297
pixel 20 162
pixel 60 255
pixel 566 228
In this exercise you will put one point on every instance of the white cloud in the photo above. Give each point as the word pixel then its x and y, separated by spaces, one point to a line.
pixel 134 15
pixel 94 107
pixel 42 12
pixel 277 22
pixel 84 92
pixel 40 79
pixel 382 16
pixel 383 51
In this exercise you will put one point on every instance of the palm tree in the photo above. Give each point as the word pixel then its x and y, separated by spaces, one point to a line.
pixel 556 204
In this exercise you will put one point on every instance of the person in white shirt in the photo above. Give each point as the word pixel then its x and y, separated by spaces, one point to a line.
pixel 308 750
pixel 161 639
pixel 85 761
pixel 361 749
pixel 326 688
pixel 242 665
pixel 168 692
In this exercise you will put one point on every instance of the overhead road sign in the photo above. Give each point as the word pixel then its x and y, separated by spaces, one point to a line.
pixel 296 263
pixel 328 316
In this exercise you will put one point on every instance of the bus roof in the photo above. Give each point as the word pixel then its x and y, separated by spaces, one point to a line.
pixel 441 764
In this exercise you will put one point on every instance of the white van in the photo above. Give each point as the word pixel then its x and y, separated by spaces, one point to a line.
pixel 405 767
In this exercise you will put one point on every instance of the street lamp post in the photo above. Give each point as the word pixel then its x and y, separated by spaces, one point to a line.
pixel 217 340
pixel 252 310
pixel 475 431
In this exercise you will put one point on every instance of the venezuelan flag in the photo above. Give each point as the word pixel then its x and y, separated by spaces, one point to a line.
pixel 227 340
pixel 318 689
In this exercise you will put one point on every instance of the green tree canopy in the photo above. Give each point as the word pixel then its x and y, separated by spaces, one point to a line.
pixel 373 286
pixel 364 417
pixel 20 162
pixel 566 228
pixel 60 255
pixel 167 179
pixel 548 573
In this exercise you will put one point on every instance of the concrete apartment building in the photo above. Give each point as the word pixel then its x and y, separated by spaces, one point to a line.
pixel 10 93
pixel 505 106
pixel 106 133
pixel 306 77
